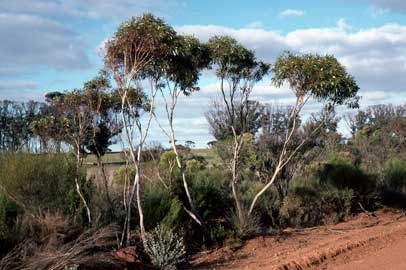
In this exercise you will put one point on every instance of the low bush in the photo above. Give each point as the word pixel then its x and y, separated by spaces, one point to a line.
pixel 211 193
pixel 165 248
pixel 159 206
pixel 40 183
pixel 394 175
pixel 8 220
pixel 312 206
pixel 327 192
pixel 245 226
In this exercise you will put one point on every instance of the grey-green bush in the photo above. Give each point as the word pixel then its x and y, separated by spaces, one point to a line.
pixel 165 248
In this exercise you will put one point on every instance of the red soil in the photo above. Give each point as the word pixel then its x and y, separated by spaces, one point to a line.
pixel 364 243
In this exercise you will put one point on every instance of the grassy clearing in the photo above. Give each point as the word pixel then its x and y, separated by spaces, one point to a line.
pixel 114 157
pixel 118 157
pixel 209 154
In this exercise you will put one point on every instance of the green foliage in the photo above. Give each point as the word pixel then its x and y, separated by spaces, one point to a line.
pixel 267 208
pixel 211 193
pixel 42 182
pixel 340 173
pixel 219 233
pixel 160 207
pixel 165 248
pixel 321 77
pixel 248 154
pixel 233 60
pixel 145 34
pixel 8 220
pixel 124 174
pixel 194 165
pixel 307 206
pixel 327 192
pixel 245 226
pixel 167 161
pixel 394 175
pixel 15 121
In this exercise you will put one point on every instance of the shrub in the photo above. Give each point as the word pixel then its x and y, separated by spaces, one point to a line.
pixel 394 175
pixel 218 233
pixel 165 248
pixel 40 183
pixel 312 206
pixel 340 173
pixel 327 192
pixel 8 219
pixel 160 207
pixel 211 193
pixel 245 226
pixel 267 207
pixel 195 165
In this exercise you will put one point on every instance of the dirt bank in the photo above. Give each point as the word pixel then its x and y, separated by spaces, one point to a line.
pixel 364 242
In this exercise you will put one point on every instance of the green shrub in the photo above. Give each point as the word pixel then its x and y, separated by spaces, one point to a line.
pixel 211 193
pixel 219 233
pixel 312 206
pixel 8 219
pixel 327 192
pixel 43 183
pixel 195 165
pixel 340 173
pixel 123 173
pixel 394 175
pixel 267 207
pixel 245 226
pixel 160 207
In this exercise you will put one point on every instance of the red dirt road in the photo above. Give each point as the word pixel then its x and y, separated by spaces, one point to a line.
pixel 362 243
pixel 392 257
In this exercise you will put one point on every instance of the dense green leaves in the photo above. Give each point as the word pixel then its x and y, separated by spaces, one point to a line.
pixel 321 77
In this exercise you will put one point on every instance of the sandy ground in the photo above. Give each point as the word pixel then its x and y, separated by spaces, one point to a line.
pixel 392 257
pixel 364 242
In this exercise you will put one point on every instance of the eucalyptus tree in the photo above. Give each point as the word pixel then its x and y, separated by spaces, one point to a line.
pixel 136 45
pixel 104 123
pixel 219 121
pixel 322 78
pixel 238 71
pixel 15 120
pixel 71 121
pixel 174 75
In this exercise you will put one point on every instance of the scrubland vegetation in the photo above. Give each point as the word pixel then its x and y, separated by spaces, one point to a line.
pixel 270 166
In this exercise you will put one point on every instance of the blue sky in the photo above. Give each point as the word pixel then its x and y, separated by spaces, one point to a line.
pixel 49 45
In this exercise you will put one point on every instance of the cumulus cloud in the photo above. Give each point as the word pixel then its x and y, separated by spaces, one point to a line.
pixel 20 90
pixel 34 41
pixel 93 9
pixel 375 56
pixel 292 13
pixel 18 85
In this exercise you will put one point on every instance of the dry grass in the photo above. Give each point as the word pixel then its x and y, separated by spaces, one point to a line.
pixel 58 245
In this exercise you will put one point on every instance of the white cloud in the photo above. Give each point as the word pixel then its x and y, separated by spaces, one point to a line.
pixel 20 90
pixel 93 9
pixel 34 41
pixel 17 85
pixel 375 56
pixel 292 13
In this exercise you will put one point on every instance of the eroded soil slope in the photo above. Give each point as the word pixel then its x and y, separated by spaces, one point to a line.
pixel 364 242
